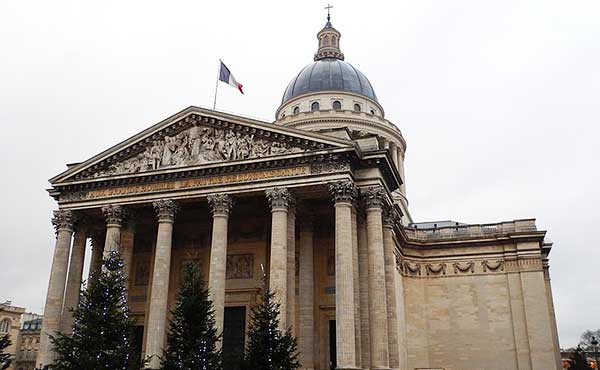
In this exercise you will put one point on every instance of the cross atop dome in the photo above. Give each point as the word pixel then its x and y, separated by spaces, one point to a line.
pixel 328 7
pixel 329 40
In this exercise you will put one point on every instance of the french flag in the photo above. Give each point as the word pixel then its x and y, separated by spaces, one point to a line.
pixel 226 76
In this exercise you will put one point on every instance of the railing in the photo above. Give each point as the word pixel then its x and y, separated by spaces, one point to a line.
pixel 470 231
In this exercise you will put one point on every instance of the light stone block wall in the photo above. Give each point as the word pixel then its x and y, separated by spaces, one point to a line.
pixel 477 321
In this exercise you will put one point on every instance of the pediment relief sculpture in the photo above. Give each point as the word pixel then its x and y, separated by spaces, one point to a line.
pixel 195 146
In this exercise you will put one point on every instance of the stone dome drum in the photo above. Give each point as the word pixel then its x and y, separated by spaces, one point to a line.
pixel 329 74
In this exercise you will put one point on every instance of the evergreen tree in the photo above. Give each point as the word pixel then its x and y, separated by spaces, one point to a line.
pixel 4 357
pixel 579 360
pixel 268 348
pixel 192 339
pixel 102 337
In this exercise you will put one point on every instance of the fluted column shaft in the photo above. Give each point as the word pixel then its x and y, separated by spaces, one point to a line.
pixel 344 194
pixel 126 249
pixel 291 268
pixel 157 312
pixel 114 216
pixel 306 305
pixel 221 207
pixel 74 280
pixel 63 222
pixel 97 253
pixel 377 289
pixel 356 286
pixel 363 270
pixel 390 286
pixel 279 200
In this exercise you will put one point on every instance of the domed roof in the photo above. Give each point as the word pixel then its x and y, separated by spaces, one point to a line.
pixel 329 74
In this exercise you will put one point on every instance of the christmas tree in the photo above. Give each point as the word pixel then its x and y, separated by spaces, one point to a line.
pixel 192 339
pixel 102 337
pixel 4 357
pixel 268 348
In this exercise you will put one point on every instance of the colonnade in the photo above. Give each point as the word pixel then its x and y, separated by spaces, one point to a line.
pixel 365 287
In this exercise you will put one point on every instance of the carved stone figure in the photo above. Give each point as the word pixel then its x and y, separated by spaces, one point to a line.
pixel 198 145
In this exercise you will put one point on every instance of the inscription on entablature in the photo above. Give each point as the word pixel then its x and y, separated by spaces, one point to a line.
pixel 185 184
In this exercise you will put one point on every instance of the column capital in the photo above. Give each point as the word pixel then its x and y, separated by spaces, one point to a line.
pixel 391 217
pixel 343 191
pixel 114 215
pixel 63 219
pixel 374 197
pixel 220 204
pixel 165 210
pixel 280 198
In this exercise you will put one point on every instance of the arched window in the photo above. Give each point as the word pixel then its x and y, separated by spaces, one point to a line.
pixel 357 107
pixel 4 326
pixel 296 110
pixel 333 40
pixel 337 105
pixel 326 41
pixel 314 106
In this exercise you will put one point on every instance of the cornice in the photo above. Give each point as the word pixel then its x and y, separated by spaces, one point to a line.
pixel 348 154
pixel 393 131
pixel 198 116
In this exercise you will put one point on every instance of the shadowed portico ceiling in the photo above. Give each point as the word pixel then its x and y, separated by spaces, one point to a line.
pixel 196 137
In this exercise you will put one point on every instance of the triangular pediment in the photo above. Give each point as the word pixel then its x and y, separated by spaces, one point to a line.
pixel 197 137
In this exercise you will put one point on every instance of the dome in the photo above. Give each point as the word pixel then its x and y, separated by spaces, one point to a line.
pixel 329 74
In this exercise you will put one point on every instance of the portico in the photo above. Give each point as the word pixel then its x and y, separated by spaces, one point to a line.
pixel 231 228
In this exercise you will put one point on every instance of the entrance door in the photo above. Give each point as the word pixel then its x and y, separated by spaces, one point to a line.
pixel 332 346
pixel 138 340
pixel 234 336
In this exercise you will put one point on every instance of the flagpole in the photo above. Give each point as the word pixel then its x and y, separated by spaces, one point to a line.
pixel 217 86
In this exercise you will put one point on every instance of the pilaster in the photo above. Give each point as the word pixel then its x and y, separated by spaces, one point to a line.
pixel 389 219
pixel 306 305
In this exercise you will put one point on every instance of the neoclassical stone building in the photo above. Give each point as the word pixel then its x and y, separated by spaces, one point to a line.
pixel 316 198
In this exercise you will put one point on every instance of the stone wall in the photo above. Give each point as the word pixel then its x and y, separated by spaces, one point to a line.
pixel 478 319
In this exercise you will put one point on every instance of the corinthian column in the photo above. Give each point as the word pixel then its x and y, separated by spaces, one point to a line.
pixel 63 223
pixel 306 305
pixel 279 200
pixel 377 291
pixel 390 287
pixel 114 216
pixel 97 252
pixel 220 205
pixel 157 312
pixel 344 194
pixel 74 280
pixel 291 266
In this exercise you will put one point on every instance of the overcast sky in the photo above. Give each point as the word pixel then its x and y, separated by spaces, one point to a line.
pixel 498 102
